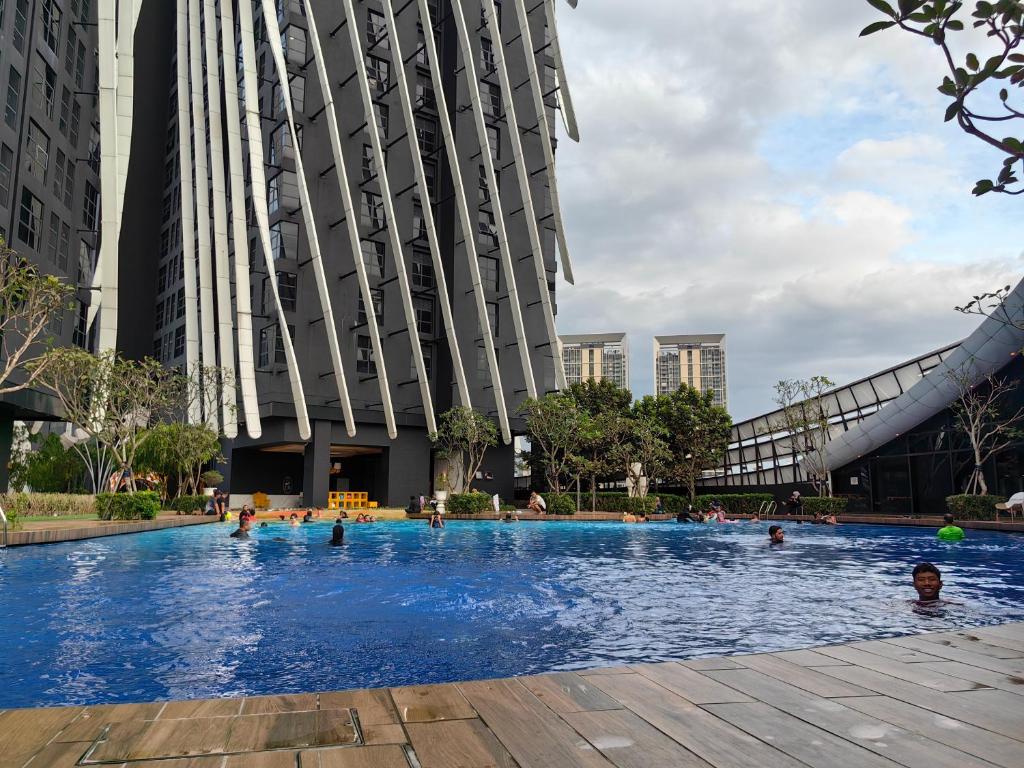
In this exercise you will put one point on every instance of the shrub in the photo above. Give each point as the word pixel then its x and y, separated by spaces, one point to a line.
pixel 734 503
pixel 622 503
pixel 141 505
pixel 506 507
pixel 969 507
pixel 188 504
pixel 672 503
pixel 51 504
pixel 825 505
pixel 211 478
pixel 469 503
pixel 560 504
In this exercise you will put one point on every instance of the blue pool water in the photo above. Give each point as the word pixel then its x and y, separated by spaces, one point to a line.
pixel 187 613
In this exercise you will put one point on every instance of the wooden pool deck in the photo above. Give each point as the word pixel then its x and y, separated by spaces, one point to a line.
pixel 946 700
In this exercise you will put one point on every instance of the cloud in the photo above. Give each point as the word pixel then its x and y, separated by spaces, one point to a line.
pixel 755 168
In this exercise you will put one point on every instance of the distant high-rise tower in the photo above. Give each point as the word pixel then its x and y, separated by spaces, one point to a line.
pixel 696 360
pixel 597 356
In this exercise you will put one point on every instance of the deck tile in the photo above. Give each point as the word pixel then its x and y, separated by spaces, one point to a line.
pixel 529 730
pixel 568 692
pixel 807 678
pixel 88 725
pixel 458 744
pixel 387 733
pixel 265 705
pixel 255 733
pixel 388 756
pixel 894 652
pixel 911 673
pixel 23 732
pixel 691 685
pixel 629 741
pixel 60 754
pixel 1000 680
pixel 972 641
pixel 426 703
pixel 201 708
pixel 951 652
pixel 807 658
pixel 374 706
pixel 723 662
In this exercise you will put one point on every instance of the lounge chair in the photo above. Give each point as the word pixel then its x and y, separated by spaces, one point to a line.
pixel 1013 509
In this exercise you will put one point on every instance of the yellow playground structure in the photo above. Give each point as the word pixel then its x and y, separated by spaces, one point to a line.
pixel 349 500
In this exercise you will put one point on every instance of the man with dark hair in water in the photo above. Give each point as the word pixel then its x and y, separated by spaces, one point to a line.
pixel 337 534
pixel 242 532
pixel 928 583
pixel 776 535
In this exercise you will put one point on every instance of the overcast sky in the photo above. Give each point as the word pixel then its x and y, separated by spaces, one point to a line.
pixel 753 167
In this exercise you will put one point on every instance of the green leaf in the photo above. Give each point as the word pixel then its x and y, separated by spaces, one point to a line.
pixel 961 77
pixel 1017 57
pixel 985 8
pixel 883 6
pixel 948 87
pixel 983 186
pixel 909 6
pixel 1013 145
pixel 878 26
pixel 921 18
pixel 1004 94
pixel 972 62
pixel 952 110
pixel 955 25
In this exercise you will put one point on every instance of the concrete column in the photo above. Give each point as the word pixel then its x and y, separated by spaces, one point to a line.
pixel 6 437
pixel 317 466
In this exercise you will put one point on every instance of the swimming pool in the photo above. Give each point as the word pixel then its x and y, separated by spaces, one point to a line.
pixel 190 612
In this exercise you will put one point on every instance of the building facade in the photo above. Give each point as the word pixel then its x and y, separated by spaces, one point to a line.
pixel 596 356
pixel 349 208
pixel 695 360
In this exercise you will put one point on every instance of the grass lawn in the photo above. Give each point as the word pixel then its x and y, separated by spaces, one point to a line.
pixel 55 518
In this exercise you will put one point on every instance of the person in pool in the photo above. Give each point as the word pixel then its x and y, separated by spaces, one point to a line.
pixel 242 531
pixel 308 517
pixel 776 535
pixel 436 521
pixel 950 531
pixel 337 534
pixel 928 583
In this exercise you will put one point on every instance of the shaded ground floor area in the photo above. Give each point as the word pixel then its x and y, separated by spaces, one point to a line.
pixel 944 699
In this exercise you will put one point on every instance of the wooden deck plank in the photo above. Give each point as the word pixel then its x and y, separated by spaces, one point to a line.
pixel 388 756
pixel 618 669
pixel 458 744
pixel 717 742
pixel 800 740
pixel 996 711
pixel 956 653
pixel 59 754
pixel 533 735
pixel 690 684
pixel 882 738
pixel 252 760
pixel 427 703
pixel 175 710
pixel 894 652
pixel 91 722
pixel 258 733
pixel 997 749
pixel 972 641
pixel 911 673
pixel 23 732
pixel 629 741
pixel 722 662
pixel 1004 682
pixel 373 705
pixel 149 739
pixel 385 734
pixel 806 658
pixel 997 636
pixel 568 692
pixel 266 705
pixel 806 678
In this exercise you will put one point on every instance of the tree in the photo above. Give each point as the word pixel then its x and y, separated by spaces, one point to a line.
pixel 112 400
pixel 975 83
pixel 29 302
pixel 597 397
pixel 604 409
pixel 463 437
pixel 804 417
pixel 981 413
pixel 554 428
pixel 180 451
pixel 645 453
pixel 698 431
pixel 50 468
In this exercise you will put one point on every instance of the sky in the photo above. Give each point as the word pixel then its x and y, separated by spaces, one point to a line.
pixel 753 167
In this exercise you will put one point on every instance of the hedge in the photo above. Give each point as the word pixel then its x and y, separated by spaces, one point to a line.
pixel 734 503
pixel 141 505
pixel 469 503
pixel 17 505
pixel 824 505
pixel 561 504
pixel 189 504
pixel 970 507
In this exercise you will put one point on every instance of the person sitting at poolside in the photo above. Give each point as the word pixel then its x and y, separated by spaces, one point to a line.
pixel 414 506
pixel 950 531
pixel 659 507
pixel 794 504
pixel 337 534
pixel 537 503
pixel 242 532
pixel 246 513
pixel 435 520
pixel 776 535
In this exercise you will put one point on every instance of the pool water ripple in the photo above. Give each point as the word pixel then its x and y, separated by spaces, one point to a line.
pixel 190 612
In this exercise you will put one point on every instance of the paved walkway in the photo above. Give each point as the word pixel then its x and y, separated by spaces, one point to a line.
pixel 949 700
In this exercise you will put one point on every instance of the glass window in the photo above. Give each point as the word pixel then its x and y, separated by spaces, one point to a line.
pixel 427 364
pixel 430 176
pixel 378 73
pixel 490 96
pixel 30 221
pixel 293 40
pixel 425 93
pixel 494 141
pixel 369 166
pixel 373 258
pixel 484 194
pixel 6 166
pixel 90 208
pixel 80 66
pixel 488 272
pixel 69 182
pixel 76 117
pixel 382 113
pixel 492 316
pixel 52 237
pixel 51 15
pixel 69 51
pixel 426 133
pixel 20 24
pixel 422 270
pixel 64 249
pixel 274 194
pixel 377 296
pixel 58 175
pixel 13 106
pixel 287 289
pixel 284 240
pixel 488 230
pixel 179 341
pixel 376 33
pixel 486 56
pixel 44 87
pixel 419 226
pixel 37 151
pixel 373 210
pixel 425 316
pixel 65 110
pixel 364 356
pixel 266 336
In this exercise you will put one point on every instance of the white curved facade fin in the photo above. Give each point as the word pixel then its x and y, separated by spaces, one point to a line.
pixel 246 373
pixel 426 206
pixel 106 271
pixel 523 174
pixel 391 222
pixel 315 256
pixel 352 224
pixel 466 224
pixel 259 203
pixel 218 193
pixel 565 98
pixel 469 68
pixel 188 236
pixel 127 15
pixel 545 137
pixel 208 337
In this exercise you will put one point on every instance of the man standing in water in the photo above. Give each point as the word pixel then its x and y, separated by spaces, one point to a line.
pixel 928 583
pixel 776 535
pixel 950 531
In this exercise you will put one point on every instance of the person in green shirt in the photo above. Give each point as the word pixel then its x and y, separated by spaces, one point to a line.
pixel 950 532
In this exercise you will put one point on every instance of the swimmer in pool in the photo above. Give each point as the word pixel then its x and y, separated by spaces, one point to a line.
pixel 337 534
pixel 928 583
pixel 776 535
